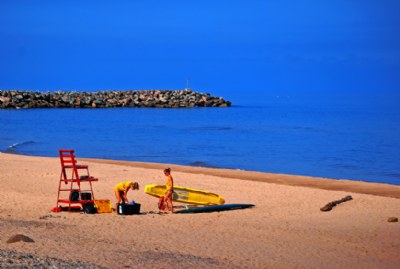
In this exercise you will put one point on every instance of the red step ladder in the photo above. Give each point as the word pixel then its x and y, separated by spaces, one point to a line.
pixel 77 189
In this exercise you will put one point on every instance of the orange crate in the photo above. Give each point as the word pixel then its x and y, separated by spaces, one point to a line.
pixel 103 206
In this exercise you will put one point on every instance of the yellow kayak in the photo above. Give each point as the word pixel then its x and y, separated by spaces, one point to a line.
pixel 186 195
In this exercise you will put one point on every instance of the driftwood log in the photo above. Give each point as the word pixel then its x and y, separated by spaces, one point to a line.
pixel 329 206
pixel 19 237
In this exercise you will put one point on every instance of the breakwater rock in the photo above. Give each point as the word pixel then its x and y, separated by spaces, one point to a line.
pixel 107 99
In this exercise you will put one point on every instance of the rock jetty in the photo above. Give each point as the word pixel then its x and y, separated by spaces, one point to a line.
pixel 108 99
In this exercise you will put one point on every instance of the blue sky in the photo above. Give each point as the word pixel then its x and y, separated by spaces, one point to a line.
pixel 235 49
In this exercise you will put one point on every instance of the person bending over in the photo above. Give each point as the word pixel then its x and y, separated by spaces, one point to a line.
pixel 121 191
pixel 170 190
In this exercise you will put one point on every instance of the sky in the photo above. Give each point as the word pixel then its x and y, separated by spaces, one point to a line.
pixel 244 51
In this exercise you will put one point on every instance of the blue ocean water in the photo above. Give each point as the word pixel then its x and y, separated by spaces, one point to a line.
pixel 326 140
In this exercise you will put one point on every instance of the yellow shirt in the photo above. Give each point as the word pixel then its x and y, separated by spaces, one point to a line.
pixel 122 186
pixel 169 184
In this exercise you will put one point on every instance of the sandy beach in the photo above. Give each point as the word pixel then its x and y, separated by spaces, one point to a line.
pixel 286 228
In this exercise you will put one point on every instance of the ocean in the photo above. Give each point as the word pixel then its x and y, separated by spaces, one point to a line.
pixel 325 140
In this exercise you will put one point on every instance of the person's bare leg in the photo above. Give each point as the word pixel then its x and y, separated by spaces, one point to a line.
pixel 118 196
pixel 171 207
pixel 169 203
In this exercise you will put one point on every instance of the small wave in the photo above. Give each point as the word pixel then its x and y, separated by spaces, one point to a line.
pixel 14 147
pixel 152 156
pixel 203 164
pixel 211 128
pixel 347 166
pixel 220 128
pixel 393 174
pixel 303 128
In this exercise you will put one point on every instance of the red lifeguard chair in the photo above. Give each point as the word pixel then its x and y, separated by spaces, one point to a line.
pixel 77 189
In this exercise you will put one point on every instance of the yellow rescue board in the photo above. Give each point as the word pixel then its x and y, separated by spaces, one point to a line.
pixel 186 195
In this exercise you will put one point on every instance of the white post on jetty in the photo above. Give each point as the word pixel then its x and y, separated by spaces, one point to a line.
pixel 187 85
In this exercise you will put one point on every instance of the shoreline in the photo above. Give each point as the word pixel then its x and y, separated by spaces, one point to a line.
pixel 362 187
pixel 347 185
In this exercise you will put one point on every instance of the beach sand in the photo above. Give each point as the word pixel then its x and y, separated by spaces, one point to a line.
pixel 286 228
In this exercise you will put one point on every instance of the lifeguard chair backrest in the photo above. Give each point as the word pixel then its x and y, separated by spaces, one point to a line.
pixel 67 159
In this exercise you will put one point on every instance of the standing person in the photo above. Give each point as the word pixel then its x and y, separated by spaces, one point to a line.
pixel 170 189
pixel 121 190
